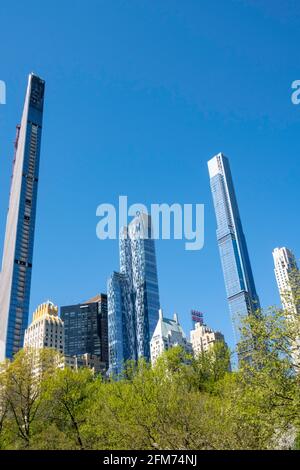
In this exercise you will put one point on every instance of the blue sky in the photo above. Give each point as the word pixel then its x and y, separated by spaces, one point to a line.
pixel 140 94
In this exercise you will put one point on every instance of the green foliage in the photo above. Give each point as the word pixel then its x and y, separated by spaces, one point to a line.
pixel 180 403
pixel 21 386
pixel 67 395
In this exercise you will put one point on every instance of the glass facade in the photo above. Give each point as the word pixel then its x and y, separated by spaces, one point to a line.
pixel 85 328
pixel 121 323
pixel 138 251
pixel 238 277
pixel 138 278
pixel 20 226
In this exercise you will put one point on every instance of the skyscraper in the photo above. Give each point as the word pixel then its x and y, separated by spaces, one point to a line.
pixel 138 263
pixel 286 269
pixel 136 290
pixel 167 334
pixel 20 225
pixel 121 323
pixel 239 283
pixel 46 329
pixel 85 328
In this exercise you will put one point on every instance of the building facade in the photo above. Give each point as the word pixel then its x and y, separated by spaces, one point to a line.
pixel 121 323
pixel 167 334
pixel 138 263
pixel 286 269
pixel 239 282
pixel 204 338
pixel 88 361
pixel 85 328
pixel 16 271
pixel 46 329
pixel 133 295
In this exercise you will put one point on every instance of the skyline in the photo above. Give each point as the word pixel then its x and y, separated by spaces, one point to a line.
pixel 159 120
pixel 212 171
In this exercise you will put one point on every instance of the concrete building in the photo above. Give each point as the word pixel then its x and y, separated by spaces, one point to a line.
pixel 89 361
pixel 46 329
pixel 285 269
pixel 167 334
pixel 203 338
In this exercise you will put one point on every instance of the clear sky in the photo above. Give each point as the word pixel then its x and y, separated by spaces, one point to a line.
pixel 140 94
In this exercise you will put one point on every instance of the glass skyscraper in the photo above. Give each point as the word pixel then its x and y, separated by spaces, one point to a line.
pixel 16 271
pixel 85 328
pixel 239 283
pixel 121 323
pixel 133 294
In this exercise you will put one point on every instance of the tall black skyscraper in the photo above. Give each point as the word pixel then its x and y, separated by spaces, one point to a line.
pixel 85 328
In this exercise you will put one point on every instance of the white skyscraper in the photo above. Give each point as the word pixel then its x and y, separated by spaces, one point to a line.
pixel 167 334
pixel 46 329
pixel 285 267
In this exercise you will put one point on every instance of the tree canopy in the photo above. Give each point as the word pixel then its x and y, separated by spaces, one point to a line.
pixel 179 403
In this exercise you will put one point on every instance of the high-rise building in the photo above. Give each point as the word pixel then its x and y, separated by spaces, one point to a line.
pixel 138 263
pixel 46 329
pixel 286 270
pixel 204 338
pixel 167 334
pixel 121 323
pixel 20 225
pixel 133 294
pixel 240 288
pixel 85 328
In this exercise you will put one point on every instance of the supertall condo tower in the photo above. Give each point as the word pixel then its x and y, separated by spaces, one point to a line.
pixel 133 295
pixel 287 277
pixel 16 271
pixel 238 277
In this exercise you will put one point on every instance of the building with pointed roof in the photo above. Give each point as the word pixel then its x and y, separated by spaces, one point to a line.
pixel 167 334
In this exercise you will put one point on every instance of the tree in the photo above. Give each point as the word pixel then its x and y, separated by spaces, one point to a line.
pixel 272 376
pixel 21 385
pixel 68 395
pixel 210 366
